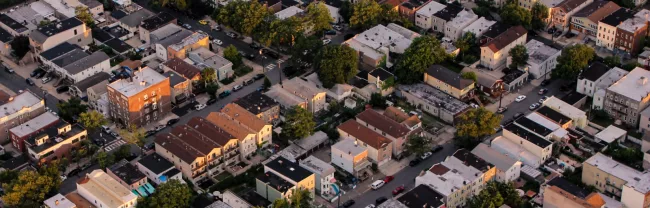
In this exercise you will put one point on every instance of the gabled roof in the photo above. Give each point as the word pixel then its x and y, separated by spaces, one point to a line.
pixel 449 77
pixel 594 71
pixel 496 29
pixel 570 5
pixel 364 134
pixel 618 16
pixel 224 122
pixel 597 10
pixel 118 45
pixel 449 12
pixel 187 70
pixel 383 123
pixel 506 38
pixel 42 33
pixel 244 117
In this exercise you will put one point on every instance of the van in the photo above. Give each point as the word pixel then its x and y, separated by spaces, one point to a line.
pixel 377 184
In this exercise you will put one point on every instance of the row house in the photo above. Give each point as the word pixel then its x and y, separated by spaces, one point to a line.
pixel 424 16
pixel 55 142
pixel 507 169
pixel 596 78
pixel 586 20
pixel 375 44
pixel 153 23
pixel 455 27
pixel 18 110
pixel 298 92
pixel 561 13
pixel 71 62
pixel 449 82
pixel 607 27
pixel 617 179
pixel 626 98
pixel 379 147
pixel 260 105
pixel 348 155
pixel 71 30
pixel 409 8
pixel 396 132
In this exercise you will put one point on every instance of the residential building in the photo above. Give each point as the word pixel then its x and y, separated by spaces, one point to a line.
pixel 324 174
pixel 80 89
pixel 388 128
pixel 334 6
pixel 487 81
pixel 273 5
pixel 555 116
pixel 424 16
pixel 153 23
pixel 408 8
pixel 246 138
pixel 103 191
pixel 59 201
pixel 350 156
pixel 128 176
pixel 193 42
pixel 379 147
pixel 454 28
pixel 165 36
pixel 71 62
pixel 140 100
pixel 297 91
pixel 198 148
pixel 542 59
pixel 610 135
pixel 30 129
pixel 478 27
pixel 375 44
pixel 118 46
pixel 495 52
pixel 24 20
pixel 187 70
pixel 281 177
pixel 561 11
pixel 531 141
pixel 507 169
pixel 493 32
pixel 627 97
pixel 379 77
pixel 338 92
pixel 607 27
pixel 18 163
pixel 64 9
pixel 644 121
pixel 586 20
pixel 260 105
pixel 204 58
pixel 300 149
pixel 442 18
pixel 19 109
pixel 54 142
pixel 288 12
pixel 433 101
pixel 420 196
pixel 94 7
pixel 131 22
pixel 558 192
pixel 181 88
pixel 70 30
pixel 617 179
pixel 449 82
pixel 158 169
pixel 598 76
pixel 95 93
pixel 458 177
pixel 395 114
pixel 250 121
pixel 630 35
pixel 5 42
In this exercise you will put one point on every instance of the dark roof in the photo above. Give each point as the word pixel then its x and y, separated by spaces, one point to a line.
pixel 270 2
pixel 58 50
pixel 5 36
pixel 363 133
pixel 101 35
pixel 496 29
pixel 471 159
pixel 91 3
pixel 527 135
pixel 289 3
pixel 52 132
pixel 118 45
pixel 4 97
pixel 597 10
pixel 448 76
pixel 569 187
pixel 533 126
pixel 359 82
pixel 117 31
pixel 553 115
pixel 119 14
pixel 128 173
pixel 157 21
pixel 511 75
pixel 171 172
pixel 53 29
pixel 421 197
pixel 449 12
pixel 83 85
pixel 275 181
pixel 594 71
pixel 334 3
pixel 363 74
pixel 256 102
pixel 187 70
pixel 413 4
pixel 288 169
pixel 11 23
pixel 618 16
pixel 16 163
pixel 383 123
pixel 135 18
pixel 573 97
pixel 156 163
pixel 174 78
pixel 506 38
pixel 381 74
pixel 255 199
pixel 70 57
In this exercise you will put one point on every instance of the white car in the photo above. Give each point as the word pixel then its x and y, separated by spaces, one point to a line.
pixel 337 27
pixel 520 98
pixel 370 206
pixel 237 87
pixel 161 127
pixel 46 80
pixel 533 106
pixel 541 100
pixel 63 177
pixel 426 155
pixel 326 41
pixel 217 41
pixel 200 106
pixel 187 26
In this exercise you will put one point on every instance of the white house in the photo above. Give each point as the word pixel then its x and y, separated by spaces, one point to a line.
pixel 375 44
pixel 479 27
pixel 349 156
pixel 455 27
pixel 494 53
pixel 324 174
pixel 158 169
pixel 73 63
pixel 103 191
pixel 598 76
pixel 424 15
pixel 542 58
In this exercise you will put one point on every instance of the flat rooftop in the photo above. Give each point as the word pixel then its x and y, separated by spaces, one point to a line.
pixel 479 26
pixel 610 134
pixel 18 102
pixel 34 125
pixel 156 163
pixel 288 12
pixel 500 160
pixel 539 52
pixel 347 145
pixel 317 166
pixel 53 135
pixel 533 126
pixel 553 115
pixel 527 135
pixel 634 85
pixel 637 180
pixel 435 97
pixel 256 102
pixel 106 189
pixel 142 80
pixel 421 196
pixel 190 40
pixel 514 151
pixel 633 24
pixel 128 173
pixel 288 169
pixel 430 8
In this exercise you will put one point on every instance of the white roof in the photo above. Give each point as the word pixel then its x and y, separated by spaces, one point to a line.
pixel 632 24
pixel 634 85
pixel 283 97
pixel 142 80
pixel 430 8
pixel 500 160
pixel 479 26
pixel 463 18
pixel 106 189
pixel 610 202
pixel 317 166
pixel 456 177
pixel 610 134
pixel 35 124
pixel 24 100
pixel 381 36
pixel 192 39
pixel 551 3
pixel 514 151
pixel 366 50
pixel 65 7
pixel 288 12
pixel 349 146
pixel 564 108
pixel 610 77
pixel 59 201
pixel 539 52
pixel 164 31
pixel 300 88
pixel 644 13
pixel 635 179
pixel 541 120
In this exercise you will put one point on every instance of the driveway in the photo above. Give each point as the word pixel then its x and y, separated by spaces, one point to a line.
pixel 15 82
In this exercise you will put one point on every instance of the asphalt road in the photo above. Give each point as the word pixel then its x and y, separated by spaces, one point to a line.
pixel 16 83
pixel 533 97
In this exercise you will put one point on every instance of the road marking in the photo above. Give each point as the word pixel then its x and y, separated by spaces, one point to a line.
pixel 114 145
pixel 280 60
pixel 270 66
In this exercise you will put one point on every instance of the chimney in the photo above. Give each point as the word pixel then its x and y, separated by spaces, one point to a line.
pixel 143 83
pixel 642 81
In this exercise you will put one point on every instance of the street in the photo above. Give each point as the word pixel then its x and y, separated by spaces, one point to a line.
pixel 16 83
pixel 532 97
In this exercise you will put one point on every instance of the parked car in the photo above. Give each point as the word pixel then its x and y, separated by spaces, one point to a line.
pixel 518 115
pixel 259 76
pixel 203 22
pixel 545 82
pixel 520 98
pixel 426 155
pixel 380 200
pixel 35 72
pixel 232 34
pixel 248 56
pixel 237 88
pixel 46 80
pixel 337 27
pixel 271 54
pixel 398 190
pixel 211 101
pixel 149 133
pixel 377 184
pixel 30 82
pixel 389 178
pixel 9 70
pixel 542 91
pixel 172 121
pixel 255 45
pixel 326 41
pixel 224 94
pixel 348 203
pixel 502 109
pixel 415 162
pixel 62 89
pixel 330 32
pixel 74 172
pixel 247 82
pixel 216 28
pixel 533 106
pixel 187 26
pixel 370 206
pixel 541 100
pixel 200 107
pixel 105 129
pixel 217 41
pixel 436 148
pixel 159 128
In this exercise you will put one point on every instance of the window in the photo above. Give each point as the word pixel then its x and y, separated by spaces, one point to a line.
pixel 75 32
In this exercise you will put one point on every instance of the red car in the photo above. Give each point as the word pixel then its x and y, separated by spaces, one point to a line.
pixel 388 179
pixel 398 190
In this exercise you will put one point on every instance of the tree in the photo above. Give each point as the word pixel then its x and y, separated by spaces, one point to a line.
pixel 82 13
pixel 318 16
pixel 299 123
pixel 346 11
pixel 92 120
pixel 288 29
pixel 300 198
pixel 539 13
pixel 388 83
pixel 513 14
pixel 466 42
pixel 378 101
pixel 365 14
pixel 20 45
pixel 423 52
pixel 134 135
pixel 8 176
pixel 612 61
pixel 469 75
pixel 265 33
pixel 334 106
pixel 477 123
pixel 232 55
pixel 208 75
pixel 281 203
pixel 30 188
pixel 391 15
pixel 242 16
pixel 336 64
pixel 123 152
pixel 305 49
pixel 572 60
pixel 104 159
pixel 519 56
pixel 496 194
pixel 267 82
pixel 212 89
pixel 170 194
pixel 418 145
pixel 71 108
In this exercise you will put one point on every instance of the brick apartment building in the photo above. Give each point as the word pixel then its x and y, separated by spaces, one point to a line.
pixel 17 110
pixel 141 99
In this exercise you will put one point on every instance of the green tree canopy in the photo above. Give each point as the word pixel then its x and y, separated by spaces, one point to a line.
pixel 305 49
pixel 496 194
pixel 420 55
pixel 477 123
pixel 170 194
pixel 232 54
pixel 519 55
pixel 299 123
pixel 209 76
pixel 346 11
pixel 84 15
pixel 300 198
pixel 539 14
pixel 20 45
pixel 212 88
pixel 318 16
pixel 267 82
pixel 513 14
pixel 104 159
pixel 133 135
pixel 31 188
pixel 612 61
pixel 92 120
pixel 572 60
pixel 418 145
pixel 336 64
pixel 469 75
pixel 466 42
pixel 242 16
pixel 365 14
pixel 71 108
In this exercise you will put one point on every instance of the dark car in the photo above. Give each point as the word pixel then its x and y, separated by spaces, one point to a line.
pixel 35 72
pixel 348 203
pixel 74 172
pixel 568 86
pixel 272 54
pixel 259 76
pixel 9 70
pixel 30 82
pixel 380 200
pixel 545 82
pixel 557 34
pixel 415 162
pixel 517 115
pixel 255 45
pixel 211 101
pixel 224 94
pixel 40 75
pixel 542 91
pixel 62 89
pixel 149 133
pixel 552 30
pixel 436 148
pixel 172 121
pixel 248 56
pixel 330 32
